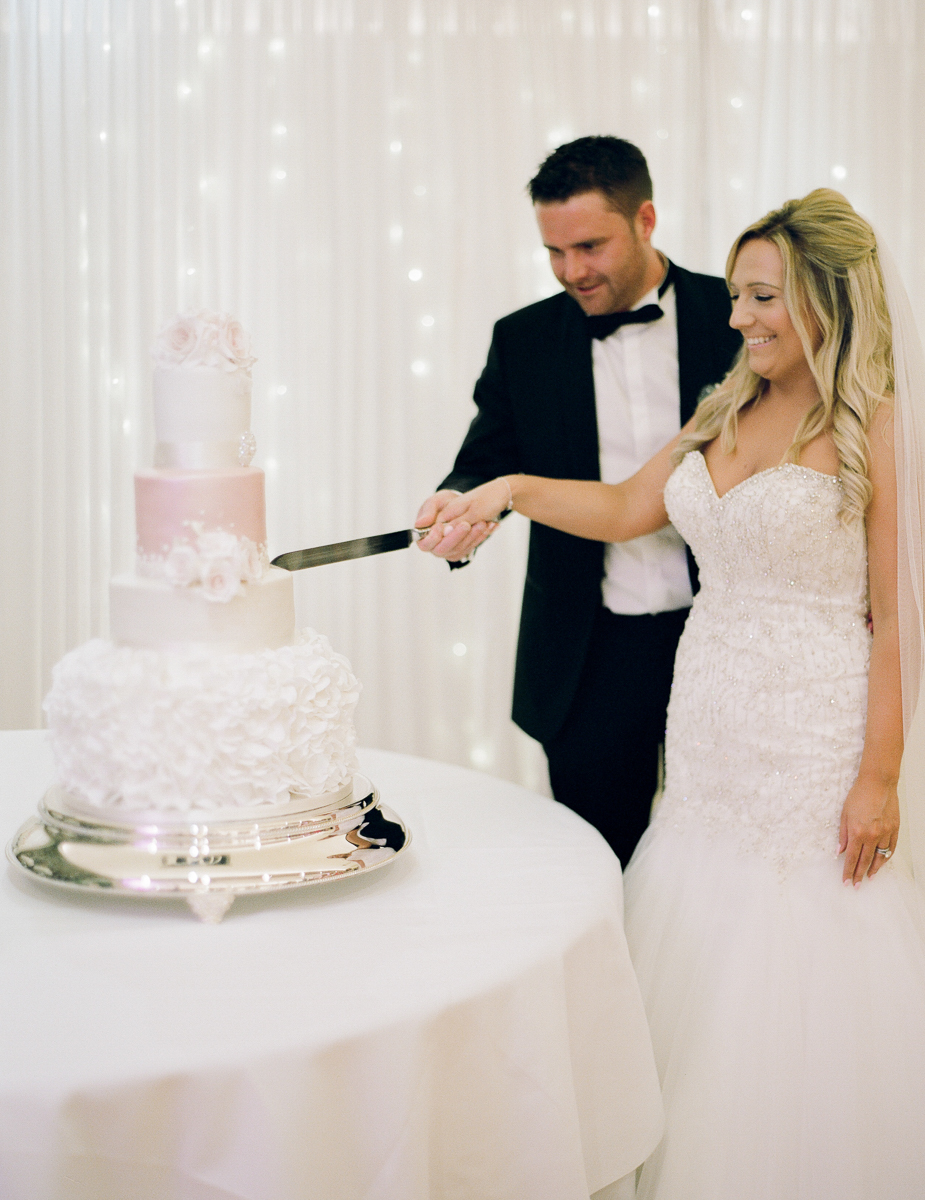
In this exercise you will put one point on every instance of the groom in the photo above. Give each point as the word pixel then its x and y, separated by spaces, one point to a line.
pixel 588 385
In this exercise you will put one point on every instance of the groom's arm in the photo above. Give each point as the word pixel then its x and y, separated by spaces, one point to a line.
pixel 489 449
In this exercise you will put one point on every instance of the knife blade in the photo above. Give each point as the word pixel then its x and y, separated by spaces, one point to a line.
pixel 318 556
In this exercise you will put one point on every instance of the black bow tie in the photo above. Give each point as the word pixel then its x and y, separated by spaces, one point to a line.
pixel 602 327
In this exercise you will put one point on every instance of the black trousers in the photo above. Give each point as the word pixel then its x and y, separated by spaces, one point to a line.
pixel 603 763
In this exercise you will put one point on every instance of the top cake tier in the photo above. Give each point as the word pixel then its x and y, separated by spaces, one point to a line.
pixel 202 393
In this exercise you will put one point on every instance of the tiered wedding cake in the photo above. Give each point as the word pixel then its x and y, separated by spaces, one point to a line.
pixel 205 697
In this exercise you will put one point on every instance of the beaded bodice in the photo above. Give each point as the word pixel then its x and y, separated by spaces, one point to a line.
pixel 767 712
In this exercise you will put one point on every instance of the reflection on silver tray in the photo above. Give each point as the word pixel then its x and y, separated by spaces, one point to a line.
pixel 208 857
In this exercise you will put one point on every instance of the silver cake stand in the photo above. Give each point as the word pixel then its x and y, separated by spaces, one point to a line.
pixel 209 856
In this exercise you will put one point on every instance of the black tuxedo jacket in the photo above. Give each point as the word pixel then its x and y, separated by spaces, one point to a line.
pixel 536 415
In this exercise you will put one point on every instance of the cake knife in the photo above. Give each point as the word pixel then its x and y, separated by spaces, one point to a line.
pixel 318 556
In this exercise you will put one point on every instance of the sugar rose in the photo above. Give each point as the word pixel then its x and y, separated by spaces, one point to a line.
pixel 220 580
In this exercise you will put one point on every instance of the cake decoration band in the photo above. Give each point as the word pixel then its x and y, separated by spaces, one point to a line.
pixel 206 456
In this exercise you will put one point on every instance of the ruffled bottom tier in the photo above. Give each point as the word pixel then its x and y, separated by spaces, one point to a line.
pixel 788 1018
pixel 171 730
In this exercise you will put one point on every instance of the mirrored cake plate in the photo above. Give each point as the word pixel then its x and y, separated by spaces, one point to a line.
pixel 209 856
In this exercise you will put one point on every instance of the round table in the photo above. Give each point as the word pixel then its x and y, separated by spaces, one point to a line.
pixel 462 1024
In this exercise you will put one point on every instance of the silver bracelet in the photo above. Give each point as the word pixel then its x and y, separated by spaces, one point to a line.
pixel 509 507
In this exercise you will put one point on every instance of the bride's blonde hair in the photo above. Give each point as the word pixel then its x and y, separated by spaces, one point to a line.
pixel 833 293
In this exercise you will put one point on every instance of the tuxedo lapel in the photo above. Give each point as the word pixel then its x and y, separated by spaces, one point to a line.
pixel 573 378
pixel 692 335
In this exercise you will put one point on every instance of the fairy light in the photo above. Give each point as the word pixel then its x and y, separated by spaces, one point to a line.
pixel 482 755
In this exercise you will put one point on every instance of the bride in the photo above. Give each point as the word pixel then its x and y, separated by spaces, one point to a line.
pixel 778 943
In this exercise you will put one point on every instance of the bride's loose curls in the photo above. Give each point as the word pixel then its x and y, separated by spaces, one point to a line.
pixel 833 292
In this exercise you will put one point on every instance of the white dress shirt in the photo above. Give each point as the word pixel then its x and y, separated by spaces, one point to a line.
pixel 638 412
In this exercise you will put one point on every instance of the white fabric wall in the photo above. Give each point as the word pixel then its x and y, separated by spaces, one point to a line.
pixel 293 162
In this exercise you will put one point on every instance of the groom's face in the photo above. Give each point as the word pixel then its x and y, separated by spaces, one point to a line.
pixel 598 255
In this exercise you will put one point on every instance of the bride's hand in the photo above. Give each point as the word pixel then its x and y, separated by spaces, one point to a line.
pixel 869 819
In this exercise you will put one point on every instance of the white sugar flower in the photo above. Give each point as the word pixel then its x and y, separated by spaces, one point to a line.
pixel 181 567
pixel 217 543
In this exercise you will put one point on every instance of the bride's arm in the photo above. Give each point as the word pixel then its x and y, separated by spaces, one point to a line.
pixel 870 817
pixel 602 512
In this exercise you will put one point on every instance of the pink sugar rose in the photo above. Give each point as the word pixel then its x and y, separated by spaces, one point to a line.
pixel 203 339
pixel 220 579
pixel 252 561
pixel 177 341
pixel 234 343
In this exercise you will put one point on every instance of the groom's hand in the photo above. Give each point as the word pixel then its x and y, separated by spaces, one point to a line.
pixel 454 540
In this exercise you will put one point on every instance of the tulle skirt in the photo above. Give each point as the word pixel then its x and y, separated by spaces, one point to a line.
pixel 788 1018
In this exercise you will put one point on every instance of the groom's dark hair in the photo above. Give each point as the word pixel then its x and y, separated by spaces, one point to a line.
pixel 594 164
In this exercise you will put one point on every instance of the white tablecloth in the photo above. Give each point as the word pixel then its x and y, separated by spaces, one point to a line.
pixel 463 1024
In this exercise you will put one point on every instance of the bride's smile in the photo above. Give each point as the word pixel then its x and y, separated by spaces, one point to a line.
pixel 759 313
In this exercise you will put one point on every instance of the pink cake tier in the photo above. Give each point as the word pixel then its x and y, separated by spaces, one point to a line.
pixel 176 507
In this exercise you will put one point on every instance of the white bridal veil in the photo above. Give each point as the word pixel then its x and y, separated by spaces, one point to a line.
pixel 909 423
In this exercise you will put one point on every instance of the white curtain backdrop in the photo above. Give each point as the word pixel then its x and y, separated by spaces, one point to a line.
pixel 347 177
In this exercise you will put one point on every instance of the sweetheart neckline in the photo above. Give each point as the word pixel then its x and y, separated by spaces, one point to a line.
pixel 757 475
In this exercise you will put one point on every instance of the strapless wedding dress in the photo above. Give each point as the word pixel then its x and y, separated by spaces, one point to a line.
pixel 787 1010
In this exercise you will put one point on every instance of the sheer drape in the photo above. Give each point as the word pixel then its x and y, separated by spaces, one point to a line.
pixel 347 176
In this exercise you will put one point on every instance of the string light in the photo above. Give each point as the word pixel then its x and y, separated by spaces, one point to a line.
pixel 482 755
